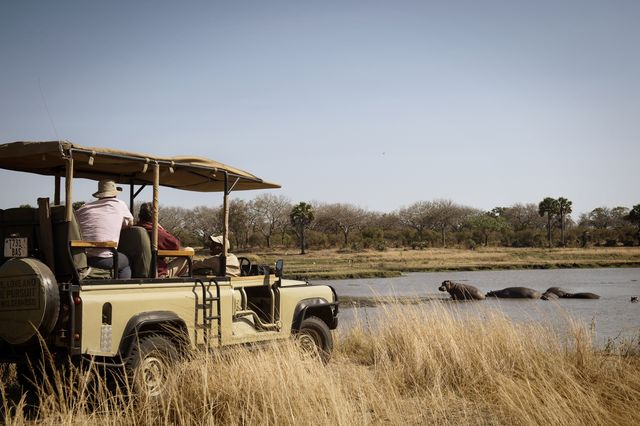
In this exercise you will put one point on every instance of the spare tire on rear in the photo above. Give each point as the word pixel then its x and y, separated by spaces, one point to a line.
pixel 29 300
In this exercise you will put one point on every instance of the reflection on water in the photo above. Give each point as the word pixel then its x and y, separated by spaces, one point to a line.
pixel 611 316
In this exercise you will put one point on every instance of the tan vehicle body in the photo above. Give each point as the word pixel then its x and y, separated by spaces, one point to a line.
pixel 182 298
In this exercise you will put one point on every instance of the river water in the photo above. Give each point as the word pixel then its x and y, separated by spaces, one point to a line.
pixel 612 316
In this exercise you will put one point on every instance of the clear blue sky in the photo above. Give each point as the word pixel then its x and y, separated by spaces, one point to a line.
pixel 375 103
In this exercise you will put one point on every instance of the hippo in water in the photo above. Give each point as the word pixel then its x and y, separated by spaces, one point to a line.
pixel 461 291
pixel 516 292
pixel 556 292
pixel 581 296
pixel 549 296
pixel 560 292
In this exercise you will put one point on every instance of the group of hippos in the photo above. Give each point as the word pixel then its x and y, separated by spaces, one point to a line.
pixel 460 291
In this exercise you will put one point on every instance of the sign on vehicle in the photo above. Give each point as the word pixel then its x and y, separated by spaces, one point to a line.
pixel 15 247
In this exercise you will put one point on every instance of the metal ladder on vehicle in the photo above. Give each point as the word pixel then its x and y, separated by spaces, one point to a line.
pixel 206 307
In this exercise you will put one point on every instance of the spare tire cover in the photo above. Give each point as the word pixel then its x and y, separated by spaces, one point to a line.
pixel 29 300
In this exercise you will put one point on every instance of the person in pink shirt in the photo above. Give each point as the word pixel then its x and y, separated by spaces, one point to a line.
pixel 102 220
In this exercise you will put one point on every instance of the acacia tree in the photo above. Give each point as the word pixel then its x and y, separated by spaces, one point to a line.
pixel 271 213
pixel 521 216
pixel 486 223
pixel 301 217
pixel 618 215
pixel 202 221
pixel 174 219
pixel 564 208
pixel 239 221
pixel 634 218
pixel 599 218
pixel 253 223
pixel 549 207
pixel 343 218
pixel 417 216
pixel 446 215
pixel 386 221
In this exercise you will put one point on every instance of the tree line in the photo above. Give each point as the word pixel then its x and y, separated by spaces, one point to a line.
pixel 269 221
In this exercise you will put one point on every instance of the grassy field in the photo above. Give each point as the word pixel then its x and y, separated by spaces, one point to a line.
pixel 336 264
pixel 419 367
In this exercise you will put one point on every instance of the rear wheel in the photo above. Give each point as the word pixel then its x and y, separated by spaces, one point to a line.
pixel 149 366
pixel 314 337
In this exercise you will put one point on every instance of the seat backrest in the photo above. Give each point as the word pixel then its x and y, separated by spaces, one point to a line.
pixel 63 232
pixel 135 243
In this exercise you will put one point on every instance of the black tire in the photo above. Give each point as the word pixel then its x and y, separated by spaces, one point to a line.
pixel 149 366
pixel 314 337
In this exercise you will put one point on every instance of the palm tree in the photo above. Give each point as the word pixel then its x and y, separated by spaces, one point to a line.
pixel 301 217
pixel 564 208
pixel 548 206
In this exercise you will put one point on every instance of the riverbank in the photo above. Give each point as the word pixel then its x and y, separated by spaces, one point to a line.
pixel 346 264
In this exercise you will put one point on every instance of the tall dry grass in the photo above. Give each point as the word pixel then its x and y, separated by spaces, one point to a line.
pixel 419 366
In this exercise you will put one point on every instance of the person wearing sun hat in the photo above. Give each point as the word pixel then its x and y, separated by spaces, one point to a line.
pixel 102 220
pixel 213 263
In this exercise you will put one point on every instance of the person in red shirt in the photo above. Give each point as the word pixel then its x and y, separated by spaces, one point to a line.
pixel 178 266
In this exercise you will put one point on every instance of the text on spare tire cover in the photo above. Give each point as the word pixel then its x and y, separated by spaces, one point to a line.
pixel 19 293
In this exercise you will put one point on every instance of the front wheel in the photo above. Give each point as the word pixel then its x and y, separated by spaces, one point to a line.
pixel 314 337
pixel 150 365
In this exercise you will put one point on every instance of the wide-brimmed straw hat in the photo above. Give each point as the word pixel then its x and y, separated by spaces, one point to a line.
pixel 218 240
pixel 107 188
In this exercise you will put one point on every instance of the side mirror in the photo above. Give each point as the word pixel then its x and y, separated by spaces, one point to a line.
pixel 279 268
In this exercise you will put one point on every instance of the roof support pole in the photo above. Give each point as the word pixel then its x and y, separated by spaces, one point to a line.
pixel 56 191
pixel 68 189
pixel 225 225
pixel 131 196
pixel 154 235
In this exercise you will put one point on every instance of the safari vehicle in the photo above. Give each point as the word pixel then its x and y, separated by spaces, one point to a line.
pixel 50 300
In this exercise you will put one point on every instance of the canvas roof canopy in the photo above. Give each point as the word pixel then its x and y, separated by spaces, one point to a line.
pixel 182 172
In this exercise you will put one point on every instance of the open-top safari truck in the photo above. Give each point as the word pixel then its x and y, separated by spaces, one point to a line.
pixel 51 302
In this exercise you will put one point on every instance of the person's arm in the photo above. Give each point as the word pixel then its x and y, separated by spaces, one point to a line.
pixel 127 217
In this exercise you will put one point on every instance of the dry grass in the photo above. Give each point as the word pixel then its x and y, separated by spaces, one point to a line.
pixel 420 367
pixel 345 264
